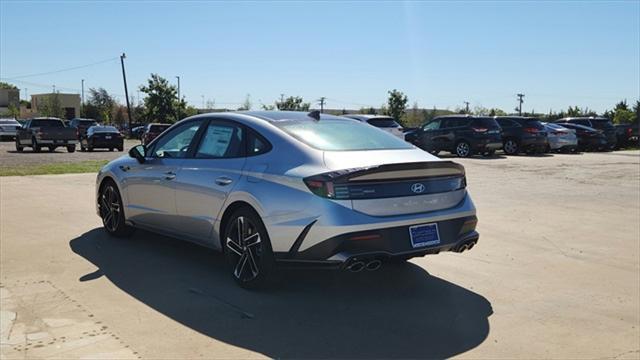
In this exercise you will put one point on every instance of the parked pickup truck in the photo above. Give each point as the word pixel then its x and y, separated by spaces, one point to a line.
pixel 46 132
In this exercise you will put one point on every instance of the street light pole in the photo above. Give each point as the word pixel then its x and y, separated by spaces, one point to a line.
pixel 126 91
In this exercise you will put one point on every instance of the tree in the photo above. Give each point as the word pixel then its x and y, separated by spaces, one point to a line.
pixel 397 105
pixel 161 103
pixel 497 112
pixel 268 107
pixel 636 110
pixel 246 105
pixel 13 111
pixel 4 85
pixel 100 105
pixel 414 117
pixel 51 106
pixel 293 103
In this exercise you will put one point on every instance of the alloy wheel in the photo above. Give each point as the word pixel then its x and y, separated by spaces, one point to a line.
pixel 245 244
pixel 462 149
pixel 110 208
pixel 510 147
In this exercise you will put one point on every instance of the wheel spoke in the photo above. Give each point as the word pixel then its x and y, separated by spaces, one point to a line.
pixel 240 226
pixel 252 240
pixel 252 263
pixel 107 219
pixel 233 246
pixel 104 206
pixel 240 266
pixel 115 207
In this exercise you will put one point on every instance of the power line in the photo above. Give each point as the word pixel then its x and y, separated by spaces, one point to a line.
pixel 61 70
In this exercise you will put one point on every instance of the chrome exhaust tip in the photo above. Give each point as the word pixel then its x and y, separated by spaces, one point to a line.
pixel 356 266
pixel 471 245
pixel 374 265
pixel 462 248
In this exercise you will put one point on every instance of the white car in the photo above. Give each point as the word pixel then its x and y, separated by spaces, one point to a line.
pixel 385 123
pixel 561 138
pixel 8 128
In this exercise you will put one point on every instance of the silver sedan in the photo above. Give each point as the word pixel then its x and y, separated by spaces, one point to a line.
pixel 289 187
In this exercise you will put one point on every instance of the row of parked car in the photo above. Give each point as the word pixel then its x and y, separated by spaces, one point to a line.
pixel 462 135
pixel 466 135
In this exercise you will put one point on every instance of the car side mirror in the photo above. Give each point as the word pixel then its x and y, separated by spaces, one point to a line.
pixel 138 152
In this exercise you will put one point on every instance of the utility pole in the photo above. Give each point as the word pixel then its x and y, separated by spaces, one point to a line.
pixel 54 89
pixel 520 101
pixel 322 99
pixel 82 103
pixel 466 103
pixel 178 77
pixel 126 91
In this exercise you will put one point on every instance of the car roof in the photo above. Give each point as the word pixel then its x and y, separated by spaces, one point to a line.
pixel 45 118
pixel 578 126
pixel 367 116
pixel 516 117
pixel 275 116
pixel 599 118
pixel 84 119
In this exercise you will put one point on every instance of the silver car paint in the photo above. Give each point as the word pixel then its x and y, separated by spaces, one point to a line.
pixel 559 141
pixel 191 205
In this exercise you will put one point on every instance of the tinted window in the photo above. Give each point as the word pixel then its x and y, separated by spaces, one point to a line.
pixel 433 125
pixel 532 123
pixel 158 128
pixel 601 124
pixel 489 123
pixel 103 129
pixel 257 144
pixel 581 122
pixel 383 122
pixel 175 144
pixel 341 135
pixel 46 123
pixel 506 123
pixel 454 122
pixel 221 141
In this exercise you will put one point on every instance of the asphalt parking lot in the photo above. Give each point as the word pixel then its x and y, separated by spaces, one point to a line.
pixel 556 274
pixel 10 157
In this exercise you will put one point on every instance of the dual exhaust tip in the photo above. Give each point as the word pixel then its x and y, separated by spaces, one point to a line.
pixel 466 246
pixel 360 265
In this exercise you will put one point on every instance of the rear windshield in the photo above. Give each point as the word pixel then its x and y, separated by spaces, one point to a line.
pixel 87 122
pixel 532 123
pixel 341 135
pixel 383 122
pixel 601 123
pixel 103 129
pixel 46 123
pixel 555 127
pixel 489 123
pixel 158 128
pixel 9 122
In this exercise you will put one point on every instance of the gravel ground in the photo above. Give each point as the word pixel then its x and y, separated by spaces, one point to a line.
pixel 9 157
pixel 556 274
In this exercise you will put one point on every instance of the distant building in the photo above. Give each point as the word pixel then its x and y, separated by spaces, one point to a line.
pixel 70 103
pixel 9 97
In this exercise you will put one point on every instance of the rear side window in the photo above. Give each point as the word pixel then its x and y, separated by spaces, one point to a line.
pixel 341 135
pixel 580 122
pixel 602 124
pixel 221 141
pixel 256 144
pixel 489 123
pixel 433 125
pixel 46 123
pixel 506 123
pixel 383 122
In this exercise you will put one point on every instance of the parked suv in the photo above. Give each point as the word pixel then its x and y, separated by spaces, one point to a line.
pixel 598 123
pixel 522 134
pixel 382 122
pixel 151 131
pixel 81 126
pixel 462 135
pixel 627 135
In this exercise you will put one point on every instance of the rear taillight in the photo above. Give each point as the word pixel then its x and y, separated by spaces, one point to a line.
pixel 629 131
pixel 531 130
pixel 479 129
pixel 319 187
pixel 558 133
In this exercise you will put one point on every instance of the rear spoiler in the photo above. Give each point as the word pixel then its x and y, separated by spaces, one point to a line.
pixel 402 171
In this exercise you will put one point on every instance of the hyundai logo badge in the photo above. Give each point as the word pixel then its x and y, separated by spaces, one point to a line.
pixel 417 188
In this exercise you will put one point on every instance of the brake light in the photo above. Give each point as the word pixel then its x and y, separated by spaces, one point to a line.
pixel 320 187
pixel 629 131
pixel 531 130
pixel 480 130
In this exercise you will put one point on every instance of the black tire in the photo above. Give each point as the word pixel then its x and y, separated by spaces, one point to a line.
pixel 34 145
pixel 120 149
pixel 18 147
pixel 71 148
pixel 489 153
pixel 52 148
pixel 89 148
pixel 112 211
pixel 463 149
pixel 434 152
pixel 511 147
pixel 248 250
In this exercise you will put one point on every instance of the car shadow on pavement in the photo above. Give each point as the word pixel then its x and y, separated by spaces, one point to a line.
pixel 475 157
pixel 400 311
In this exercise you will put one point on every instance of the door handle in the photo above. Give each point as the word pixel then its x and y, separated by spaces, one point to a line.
pixel 223 180
pixel 169 175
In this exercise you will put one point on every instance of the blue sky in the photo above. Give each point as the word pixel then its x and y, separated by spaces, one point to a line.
pixel 563 53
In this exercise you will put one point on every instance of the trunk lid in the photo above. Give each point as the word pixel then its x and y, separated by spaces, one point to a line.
pixel 394 182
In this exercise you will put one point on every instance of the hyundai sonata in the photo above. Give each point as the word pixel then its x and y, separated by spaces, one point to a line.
pixel 289 187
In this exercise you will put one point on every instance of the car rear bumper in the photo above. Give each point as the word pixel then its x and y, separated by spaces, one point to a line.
pixel 486 146
pixel 559 142
pixel 56 142
pixel 106 143
pixel 342 239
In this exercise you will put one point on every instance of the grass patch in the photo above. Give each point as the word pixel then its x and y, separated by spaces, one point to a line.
pixel 88 166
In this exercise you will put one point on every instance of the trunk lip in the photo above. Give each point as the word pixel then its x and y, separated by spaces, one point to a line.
pixel 352 174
